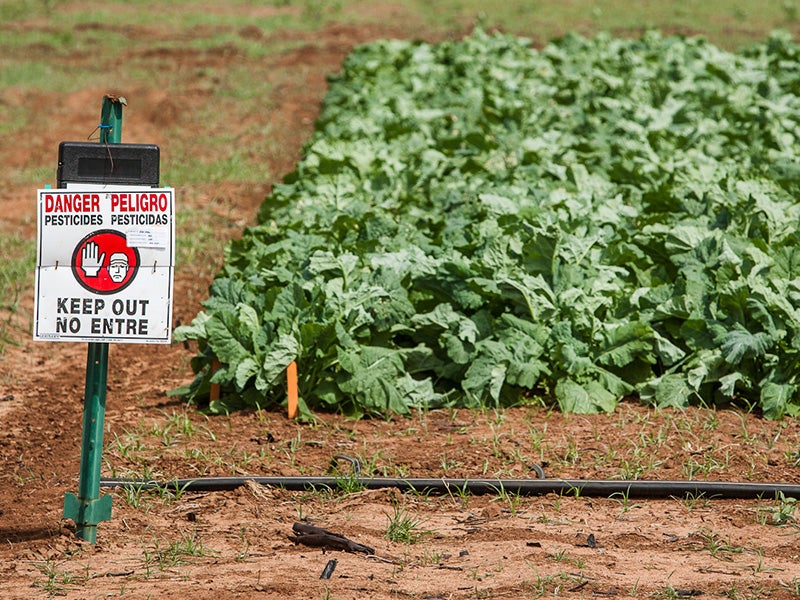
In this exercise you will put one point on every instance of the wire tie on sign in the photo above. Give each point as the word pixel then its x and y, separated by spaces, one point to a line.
pixel 100 126
pixel 56 266
pixel 104 127
pixel 155 262
pixel 108 149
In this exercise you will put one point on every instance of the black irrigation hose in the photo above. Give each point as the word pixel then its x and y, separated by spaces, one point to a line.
pixel 526 487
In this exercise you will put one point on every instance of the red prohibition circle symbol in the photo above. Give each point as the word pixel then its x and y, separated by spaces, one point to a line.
pixel 103 263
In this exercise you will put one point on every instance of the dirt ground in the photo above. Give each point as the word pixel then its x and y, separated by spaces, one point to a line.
pixel 235 544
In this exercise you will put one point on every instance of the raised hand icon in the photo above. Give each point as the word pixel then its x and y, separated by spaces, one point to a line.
pixel 90 261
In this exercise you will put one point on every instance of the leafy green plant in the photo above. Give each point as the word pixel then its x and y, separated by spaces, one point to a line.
pixel 783 511
pixel 477 223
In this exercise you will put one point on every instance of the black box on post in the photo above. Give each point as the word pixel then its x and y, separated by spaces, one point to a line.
pixel 112 164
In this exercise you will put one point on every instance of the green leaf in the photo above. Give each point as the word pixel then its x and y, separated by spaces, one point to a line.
pixel 776 400
pixel 196 330
pixel 588 398
pixel 483 380
pixel 370 374
pixel 739 344
pixel 280 354
pixel 244 371
pixel 222 329
pixel 622 343
pixel 668 391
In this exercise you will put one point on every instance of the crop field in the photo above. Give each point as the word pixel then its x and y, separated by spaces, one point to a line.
pixel 543 242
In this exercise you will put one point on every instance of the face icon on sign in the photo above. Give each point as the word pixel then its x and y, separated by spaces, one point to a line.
pixel 118 267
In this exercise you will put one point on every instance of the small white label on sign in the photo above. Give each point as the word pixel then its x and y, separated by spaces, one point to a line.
pixel 148 238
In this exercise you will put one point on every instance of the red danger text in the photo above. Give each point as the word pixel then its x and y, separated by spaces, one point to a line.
pixel 67 203
pixel 144 202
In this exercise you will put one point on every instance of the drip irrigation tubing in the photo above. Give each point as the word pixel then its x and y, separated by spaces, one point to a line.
pixel 527 487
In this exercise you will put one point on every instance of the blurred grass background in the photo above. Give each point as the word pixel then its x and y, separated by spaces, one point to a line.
pixel 56 48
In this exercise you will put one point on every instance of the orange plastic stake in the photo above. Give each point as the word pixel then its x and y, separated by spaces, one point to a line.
pixel 291 387
pixel 214 391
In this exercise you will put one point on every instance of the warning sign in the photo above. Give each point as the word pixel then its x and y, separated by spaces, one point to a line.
pixel 105 264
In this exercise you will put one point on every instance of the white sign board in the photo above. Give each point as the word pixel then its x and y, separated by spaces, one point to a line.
pixel 105 264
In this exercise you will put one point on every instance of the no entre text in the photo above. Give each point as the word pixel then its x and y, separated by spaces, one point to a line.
pixel 122 323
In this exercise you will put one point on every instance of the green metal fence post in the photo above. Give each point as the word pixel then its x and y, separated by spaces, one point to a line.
pixel 111 120
pixel 87 509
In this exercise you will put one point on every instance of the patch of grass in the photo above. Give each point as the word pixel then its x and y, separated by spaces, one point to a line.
pixel 793 457
pixel 448 464
pixel 576 491
pixel 703 465
pixel 717 547
pixel 403 527
pixel 725 23
pixel 143 469
pixel 180 422
pixel 699 500
pixel 793 586
pixel 16 274
pixel 12 119
pixel 781 512
pixel 175 553
pixel 512 499
pixel 200 238
pixel 180 14
pixel 136 496
pixel 623 498
pixel 460 495
pixel 563 556
pixel 189 545
pixel 631 469
pixel 729 24
pixel 672 593
pixel 41 74
pixel 15 10
pixel 571 453
pixel 349 483
pixel 59 581
pixel 243 553
pixel 221 160
pixel 550 585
